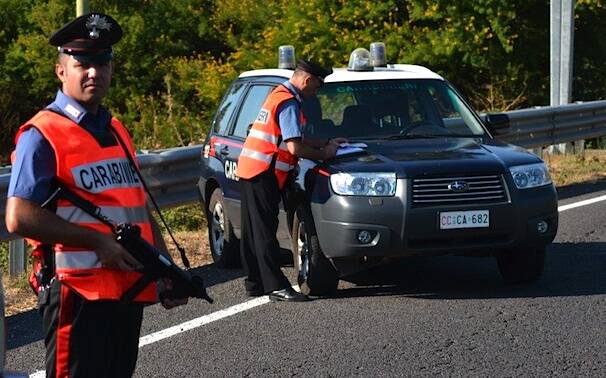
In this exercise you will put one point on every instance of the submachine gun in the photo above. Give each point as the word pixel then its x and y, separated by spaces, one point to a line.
pixel 155 264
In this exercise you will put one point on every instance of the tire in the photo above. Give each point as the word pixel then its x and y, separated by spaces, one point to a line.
pixel 224 246
pixel 524 266
pixel 315 273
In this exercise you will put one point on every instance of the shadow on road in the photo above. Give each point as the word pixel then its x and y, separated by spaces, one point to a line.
pixel 214 276
pixel 572 269
pixel 23 329
pixel 26 327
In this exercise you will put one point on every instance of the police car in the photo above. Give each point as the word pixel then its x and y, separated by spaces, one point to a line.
pixel 423 175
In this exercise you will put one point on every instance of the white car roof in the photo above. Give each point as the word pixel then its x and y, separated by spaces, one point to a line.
pixel 392 71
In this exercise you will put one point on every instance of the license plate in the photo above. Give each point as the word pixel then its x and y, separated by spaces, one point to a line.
pixel 464 219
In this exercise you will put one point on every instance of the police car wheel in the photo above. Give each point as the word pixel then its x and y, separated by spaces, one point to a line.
pixel 315 273
pixel 522 265
pixel 224 246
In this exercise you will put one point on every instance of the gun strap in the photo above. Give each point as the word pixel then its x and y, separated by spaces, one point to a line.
pixel 82 203
pixel 136 168
pixel 137 288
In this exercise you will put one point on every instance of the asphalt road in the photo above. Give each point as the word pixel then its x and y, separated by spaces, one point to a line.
pixel 445 316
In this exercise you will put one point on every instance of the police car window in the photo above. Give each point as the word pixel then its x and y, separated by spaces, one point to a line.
pixel 386 108
pixel 227 107
pixel 333 103
pixel 250 109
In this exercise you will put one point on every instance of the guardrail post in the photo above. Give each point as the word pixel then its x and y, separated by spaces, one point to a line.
pixel 16 257
pixel 562 45
pixel 537 151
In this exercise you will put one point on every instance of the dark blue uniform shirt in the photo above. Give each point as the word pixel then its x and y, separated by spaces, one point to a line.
pixel 34 165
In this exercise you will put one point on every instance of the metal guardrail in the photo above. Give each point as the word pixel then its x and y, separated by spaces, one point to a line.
pixel 542 127
pixel 172 174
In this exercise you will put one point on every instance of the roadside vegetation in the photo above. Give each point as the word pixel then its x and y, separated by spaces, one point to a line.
pixel 177 57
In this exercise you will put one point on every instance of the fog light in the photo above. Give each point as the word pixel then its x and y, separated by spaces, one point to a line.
pixel 542 227
pixel 364 237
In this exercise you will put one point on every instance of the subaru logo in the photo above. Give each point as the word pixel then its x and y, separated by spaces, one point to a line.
pixel 458 186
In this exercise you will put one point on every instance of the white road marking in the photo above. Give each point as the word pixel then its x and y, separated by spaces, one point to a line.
pixel 168 332
pixel 581 203
pixel 198 322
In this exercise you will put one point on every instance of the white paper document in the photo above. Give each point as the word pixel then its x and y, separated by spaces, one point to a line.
pixel 359 145
pixel 350 148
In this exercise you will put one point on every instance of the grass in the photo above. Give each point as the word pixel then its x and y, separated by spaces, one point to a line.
pixel 190 230
pixel 571 169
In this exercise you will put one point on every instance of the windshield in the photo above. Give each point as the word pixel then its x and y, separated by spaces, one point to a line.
pixel 389 109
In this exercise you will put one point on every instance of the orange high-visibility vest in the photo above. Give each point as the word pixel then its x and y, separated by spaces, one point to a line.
pixel 105 177
pixel 264 142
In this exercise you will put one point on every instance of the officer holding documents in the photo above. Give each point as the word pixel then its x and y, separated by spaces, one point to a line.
pixel 75 142
pixel 270 152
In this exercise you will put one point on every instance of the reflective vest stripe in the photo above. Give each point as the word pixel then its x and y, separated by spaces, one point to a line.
pixel 258 134
pixel 115 213
pixel 283 147
pixel 283 166
pixel 256 155
pixel 77 260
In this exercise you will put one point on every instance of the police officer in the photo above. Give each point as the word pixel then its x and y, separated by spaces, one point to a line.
pixel 75 142
pixel 270 151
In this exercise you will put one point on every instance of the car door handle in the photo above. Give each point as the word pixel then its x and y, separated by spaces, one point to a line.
pixel 224 151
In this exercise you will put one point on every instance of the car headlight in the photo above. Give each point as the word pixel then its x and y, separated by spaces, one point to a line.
pixel 364 184
pixel 530 175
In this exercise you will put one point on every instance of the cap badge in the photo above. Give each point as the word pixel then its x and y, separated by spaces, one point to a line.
pixel 96 22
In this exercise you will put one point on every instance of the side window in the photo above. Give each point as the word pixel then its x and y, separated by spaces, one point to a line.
pixel 250 109
pixel 227 107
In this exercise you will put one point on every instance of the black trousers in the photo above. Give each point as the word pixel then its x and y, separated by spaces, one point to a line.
pixel 259 247
pixel 89 338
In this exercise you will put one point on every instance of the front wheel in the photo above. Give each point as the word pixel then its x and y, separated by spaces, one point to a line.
pixel 315 273
pixel 522 266
pixel 224 246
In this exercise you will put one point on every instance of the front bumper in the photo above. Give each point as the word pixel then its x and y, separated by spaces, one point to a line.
pixel 398 229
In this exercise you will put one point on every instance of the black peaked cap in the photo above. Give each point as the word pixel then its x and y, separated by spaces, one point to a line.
pixel 313 68
pixel 88 34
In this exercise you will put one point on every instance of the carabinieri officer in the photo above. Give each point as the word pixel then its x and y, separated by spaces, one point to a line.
pixel 270 152
pixel 81 271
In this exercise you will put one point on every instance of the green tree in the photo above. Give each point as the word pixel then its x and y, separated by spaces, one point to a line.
pixel 176 58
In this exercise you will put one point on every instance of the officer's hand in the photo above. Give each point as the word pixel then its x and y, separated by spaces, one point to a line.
pixel 166 284
pixel 338 141
pixel 113 255
pixel 330 150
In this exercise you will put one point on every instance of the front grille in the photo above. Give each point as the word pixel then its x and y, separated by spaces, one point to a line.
pixel 472 189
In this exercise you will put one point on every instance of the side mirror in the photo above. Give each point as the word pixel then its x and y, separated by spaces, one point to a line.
pixel 497 123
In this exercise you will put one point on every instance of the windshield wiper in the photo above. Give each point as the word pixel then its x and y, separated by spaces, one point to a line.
pixel 464 135
pixel 412 136
pixel 430 136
